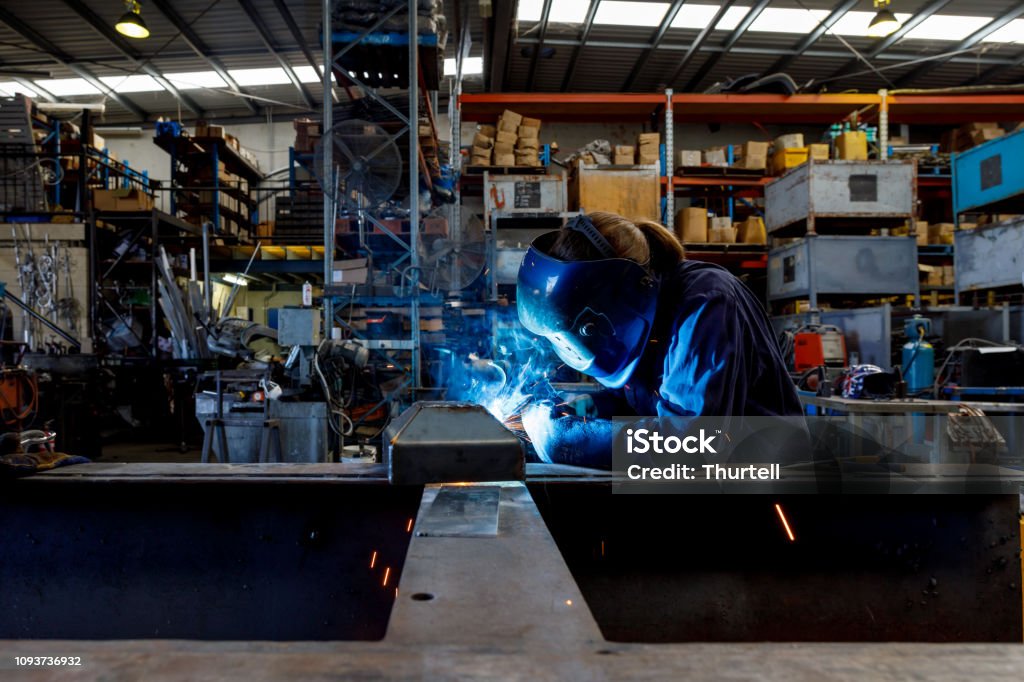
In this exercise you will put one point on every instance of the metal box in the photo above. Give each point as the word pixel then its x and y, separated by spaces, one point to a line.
pixel 298 327
pixel 834 196
pixel 523 194
pixel 303 429
pixel 446 442
pixel 990 256
pixel 843 265
pixel 990 175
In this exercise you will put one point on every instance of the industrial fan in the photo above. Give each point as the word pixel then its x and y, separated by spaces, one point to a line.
pixel 366 161
pixel 453 262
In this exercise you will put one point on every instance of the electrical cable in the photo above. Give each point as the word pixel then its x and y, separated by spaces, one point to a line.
pixel 963 344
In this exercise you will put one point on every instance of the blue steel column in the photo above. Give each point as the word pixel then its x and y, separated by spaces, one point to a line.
pixel 328 169
pixel 414 191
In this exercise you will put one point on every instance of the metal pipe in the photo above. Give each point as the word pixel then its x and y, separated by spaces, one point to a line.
pixel 414 188
pixel 328 168
pixel 45 322
pixel 207 292
pixel 883 124
pixel 670 124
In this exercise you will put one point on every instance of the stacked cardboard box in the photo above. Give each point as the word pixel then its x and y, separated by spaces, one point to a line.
pixel 689 158
pixel 722 231
pixel 692 225
pixel 623 154
pixel 852 146
pixel 648 148
pixel 528 142
pixel 513 141
pixel 940 233
pixel 716 156
pixel 307 134
pixel 751 231
pixel 753 155
pixel 483 146
pixel 970 135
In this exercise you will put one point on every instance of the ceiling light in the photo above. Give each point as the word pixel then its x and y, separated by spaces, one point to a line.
pixel 237 280
pixel 884 23
pixel 131 24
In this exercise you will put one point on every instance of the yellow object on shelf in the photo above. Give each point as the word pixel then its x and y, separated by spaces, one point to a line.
pixel 784 159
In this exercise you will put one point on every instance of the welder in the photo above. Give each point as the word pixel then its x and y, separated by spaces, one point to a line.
pixel 666 336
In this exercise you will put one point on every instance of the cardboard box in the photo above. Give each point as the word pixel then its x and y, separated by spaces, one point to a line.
pixel 124 199
pixel 506 137
pixel 529 132
pixel 487 130
pixel 818 151
pixel 480 160
pixel 975 126
pixel 784 159
pixel 752 231
pixel 692 225
pixel 507 159
pixel 948 278
pixel 754 155
pixel 721 223
pixel 512 117
pixel 524 143
pixel 528 122
pixel 481 141
pixel 941 233
pixel 481 151
pixel 503 148
pixel 527 158
pixel 648 148
pixel 507 126
pixel 921 226
pixel 623 154
pixel 715 157
pixel 790 141
pixel 689 158
pixel 852 146
pixel 722 235
pixel 985 134
pixel 350 271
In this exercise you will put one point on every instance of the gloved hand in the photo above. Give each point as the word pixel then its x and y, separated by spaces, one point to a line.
pixel 571 440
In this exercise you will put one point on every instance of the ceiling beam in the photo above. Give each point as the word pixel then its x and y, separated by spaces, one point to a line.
pixel 698 42
pixel 588 23
pixel 129 53
pixel 501 38
pixel 539 47
pixel 31 35
pixel 992 72
pixel 883 44
pixel 656 38
pixel 749 18
pixel 271 45
pixel 965 44
pixel 200 48
pixel 300 40
pixel 821 29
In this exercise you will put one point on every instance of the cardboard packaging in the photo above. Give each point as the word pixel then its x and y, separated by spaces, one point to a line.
pixel 527 158
pixel 985 134
pixel 503 148
pixel 507 159
pixel 784 159
pixel 692 225
pixel 715 157
pixel 123 199
pixel 818 151
pixel 648 148
pixel 350 271
pixel 512 117
pixel 507 126
pixel 754 156
pixel 623 154
pixel 721 222
pixel 527 143
pixel 507 138
pixel 852 146
pixel 528 132
pixel 689 158
pixel 528 122
pixel 723 235
pixel 752 231
pixel 922 232
pixel 790 141
pixel 941 233
pixel 487 130
pixel 481 141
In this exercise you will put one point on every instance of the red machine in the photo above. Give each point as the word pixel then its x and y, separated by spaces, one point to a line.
pixel 817 345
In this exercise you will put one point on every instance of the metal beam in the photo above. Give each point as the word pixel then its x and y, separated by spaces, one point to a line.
pixel 656 38
pixel 884 44
pixel 995 71
pixel 300 40
pixel 588 23
pixel 749 18
pixel 501 24
pixel 545 13
pixel 270 44
pixel 965 44
pixel 129 53
pixel 698 42
pixel 31 35
pixel 835 15
pixel 200 48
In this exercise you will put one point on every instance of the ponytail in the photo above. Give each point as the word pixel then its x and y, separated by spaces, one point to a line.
pixel 666 251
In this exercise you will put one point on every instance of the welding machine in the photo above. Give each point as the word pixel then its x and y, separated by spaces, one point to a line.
pixel 816 345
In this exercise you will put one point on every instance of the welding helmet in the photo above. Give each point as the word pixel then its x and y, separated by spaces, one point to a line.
pixel 597 314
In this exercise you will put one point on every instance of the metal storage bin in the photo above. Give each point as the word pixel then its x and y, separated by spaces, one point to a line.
pixel 843 265
pixel 303 429
pixel 989 257
pixel 990 175
pixel 511 195
pixel 838 196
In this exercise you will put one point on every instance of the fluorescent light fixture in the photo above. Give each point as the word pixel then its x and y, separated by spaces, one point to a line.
pixel 788 20
pixel 238 280
pixel 193 80
pixel 270 76
pixel 947 27
pixel 131 24
pixel 1013 32
pixel 472 66
pixel 307 74
pixel 619 13
pixel 68 87
pixel 124 84
pixel 11 88
pixel 698 16
pixel 561 12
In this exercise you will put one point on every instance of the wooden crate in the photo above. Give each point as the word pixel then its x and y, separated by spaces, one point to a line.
pixel 634 193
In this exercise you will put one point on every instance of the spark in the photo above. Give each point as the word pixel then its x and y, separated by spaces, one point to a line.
pixel 387 574
pixel 408 526
pixel 373 559
pixel 785 523
pixel 568 602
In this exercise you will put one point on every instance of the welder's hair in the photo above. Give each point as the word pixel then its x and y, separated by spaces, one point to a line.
pixel 644 241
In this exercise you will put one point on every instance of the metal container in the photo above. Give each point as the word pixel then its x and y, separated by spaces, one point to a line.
pixel 989 257
pixel 990 175
pixel 443 442
pixel 523 194
pixel 837 196
pixel 303 429
pixel 843 265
